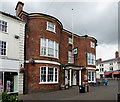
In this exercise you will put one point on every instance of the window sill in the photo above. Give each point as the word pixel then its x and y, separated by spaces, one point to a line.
pixel 70 62
pixel 3 32
pixel 48 82
pixel 3 56
pixel 48 56
pixel 92 48
pixel 91 81
pixel 91 64
pixel 51 31
pixel 70 43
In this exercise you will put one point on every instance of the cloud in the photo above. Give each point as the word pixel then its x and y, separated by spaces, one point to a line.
pixel 106 51
pixel 97 19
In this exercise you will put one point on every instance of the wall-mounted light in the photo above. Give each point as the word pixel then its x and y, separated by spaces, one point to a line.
pixel 16 36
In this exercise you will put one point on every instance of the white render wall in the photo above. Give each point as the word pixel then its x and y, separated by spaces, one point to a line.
pixel 15 47
pixel 106 66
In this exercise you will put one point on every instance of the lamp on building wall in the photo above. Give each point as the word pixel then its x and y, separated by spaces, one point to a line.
pixel 86 52
pixel 32 61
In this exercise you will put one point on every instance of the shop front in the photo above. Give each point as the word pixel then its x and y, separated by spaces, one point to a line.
pixel 9 74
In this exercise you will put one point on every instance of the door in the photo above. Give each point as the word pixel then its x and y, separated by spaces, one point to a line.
pixel 66 77
pixel 74 77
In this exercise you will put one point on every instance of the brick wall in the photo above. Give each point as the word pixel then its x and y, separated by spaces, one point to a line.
pixel 36 28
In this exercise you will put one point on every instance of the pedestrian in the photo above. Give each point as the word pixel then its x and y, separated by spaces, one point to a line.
pixel 106 82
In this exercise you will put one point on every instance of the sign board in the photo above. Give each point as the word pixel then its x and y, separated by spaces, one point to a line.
pixel 75 51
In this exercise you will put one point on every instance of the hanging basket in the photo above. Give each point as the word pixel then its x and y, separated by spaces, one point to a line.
pixel 22 70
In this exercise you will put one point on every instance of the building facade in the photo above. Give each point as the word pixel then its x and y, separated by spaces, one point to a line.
pixel 11 53
pixel 108 68
pixel 53 55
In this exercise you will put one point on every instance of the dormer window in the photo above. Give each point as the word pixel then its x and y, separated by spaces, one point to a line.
pixel 51 26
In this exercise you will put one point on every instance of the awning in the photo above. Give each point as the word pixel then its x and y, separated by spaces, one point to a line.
pixel 116 73
pixel 108 73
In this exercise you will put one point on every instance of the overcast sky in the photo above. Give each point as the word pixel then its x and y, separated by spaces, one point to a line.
pixel 97 19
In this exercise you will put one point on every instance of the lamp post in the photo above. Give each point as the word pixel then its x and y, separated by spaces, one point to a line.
pixel 86 52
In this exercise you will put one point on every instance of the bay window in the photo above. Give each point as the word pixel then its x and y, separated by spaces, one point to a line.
pixel 48 75
pixel 49 48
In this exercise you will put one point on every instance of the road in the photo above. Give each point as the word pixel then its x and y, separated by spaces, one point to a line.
pixel 96 93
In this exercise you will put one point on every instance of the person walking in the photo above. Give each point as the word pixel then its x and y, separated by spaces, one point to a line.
pixel 106 82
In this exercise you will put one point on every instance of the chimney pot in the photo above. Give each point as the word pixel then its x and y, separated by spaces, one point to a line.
pixel 100 59
pixel 116 54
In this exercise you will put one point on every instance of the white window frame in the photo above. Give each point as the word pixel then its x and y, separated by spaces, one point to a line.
pixel 92 45
pixel 54 82
pixel 54 42
pixel 70 41
pixel 6 48
pixel 1 26
pixel 70 57
pixel 91 59
pixel 91 75
pixel 53 25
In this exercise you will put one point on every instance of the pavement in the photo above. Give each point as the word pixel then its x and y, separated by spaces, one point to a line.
pixel 100 92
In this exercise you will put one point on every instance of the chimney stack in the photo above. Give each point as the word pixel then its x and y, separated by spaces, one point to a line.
pixel 100 59
pixel 116 54
pixel 19 7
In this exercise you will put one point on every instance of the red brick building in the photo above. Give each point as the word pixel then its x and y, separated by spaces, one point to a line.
pixel 53 55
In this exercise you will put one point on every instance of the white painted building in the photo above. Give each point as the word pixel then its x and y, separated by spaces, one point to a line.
pixel 108 68
pixel 12 31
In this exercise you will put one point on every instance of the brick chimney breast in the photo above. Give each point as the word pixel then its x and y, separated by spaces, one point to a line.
pixel 19 7
pixel 116 54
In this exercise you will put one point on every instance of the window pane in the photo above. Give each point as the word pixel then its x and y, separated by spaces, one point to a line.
pixel 56 74
pixel 51 26
pixel 43 74
pixel 50 74
pixel 2 48
pixel 56 50
pixel 43 46
pixel 89 76
pixel 92 76
pixel 50 48
pixel 70 40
